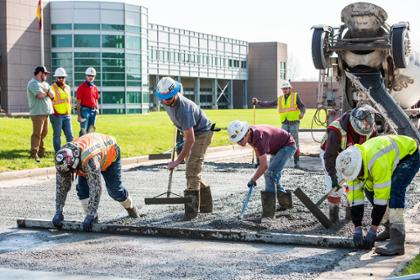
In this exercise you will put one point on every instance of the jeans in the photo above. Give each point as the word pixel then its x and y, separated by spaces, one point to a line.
pixel 277 162
pixel 112 177
pixel 88 116
pixel 61 122
pixel 293 128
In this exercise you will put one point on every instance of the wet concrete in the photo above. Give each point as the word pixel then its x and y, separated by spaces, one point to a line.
pixel 147 258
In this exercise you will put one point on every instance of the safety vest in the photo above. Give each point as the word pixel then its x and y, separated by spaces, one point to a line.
pixel 288 109
pixel 343 134
pixel 380 156
pixel 62 99
pixel 93 144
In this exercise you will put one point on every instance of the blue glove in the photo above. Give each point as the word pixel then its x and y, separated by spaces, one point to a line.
pixel 58 220
pixel 369 239
pixel 358 238
pixel 88 222
pixel 251 183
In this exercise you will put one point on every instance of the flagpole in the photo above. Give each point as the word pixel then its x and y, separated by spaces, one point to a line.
pixel 42 35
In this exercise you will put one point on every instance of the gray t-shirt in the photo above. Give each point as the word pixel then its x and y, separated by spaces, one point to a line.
pixel 38 106
pixel 186 114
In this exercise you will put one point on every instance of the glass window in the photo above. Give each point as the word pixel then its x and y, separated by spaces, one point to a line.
pixel 132 42
pixel 113 111
pixel 113 41
pixel 62 55
pixel 114 69
pixel 133 97
pixel 107 83
pixel 86 41
pixel 132 29
pixel 61 41
pixel 87 62
pixel 134 83
pixel 84 26
pixel 63 26
pixel 112 55
pixel 115 27
pixel 86 54
pixel 113 76
pixel 113 62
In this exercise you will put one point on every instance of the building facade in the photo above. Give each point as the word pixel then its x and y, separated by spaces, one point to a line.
pixel 130 55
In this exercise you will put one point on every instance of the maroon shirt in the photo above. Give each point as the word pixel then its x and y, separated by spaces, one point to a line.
pixel 267 139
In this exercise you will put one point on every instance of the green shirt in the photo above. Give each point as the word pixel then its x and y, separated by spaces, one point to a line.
pixel 38 106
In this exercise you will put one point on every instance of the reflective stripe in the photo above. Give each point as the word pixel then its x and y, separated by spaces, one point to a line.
pixel 356 187
pixel 388 149
pixel 380 201
pixel 382 185
pixel 358 202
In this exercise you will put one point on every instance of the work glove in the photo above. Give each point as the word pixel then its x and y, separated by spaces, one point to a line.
pixel 88 222
pixel 251 183
pixel 369 239
pixel 358 238
pixel 58 219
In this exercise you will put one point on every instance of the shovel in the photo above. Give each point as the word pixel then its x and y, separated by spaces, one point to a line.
pixel 176 199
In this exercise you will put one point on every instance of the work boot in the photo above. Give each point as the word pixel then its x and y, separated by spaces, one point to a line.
pixel 384 235
pixel 285 200
pixel 395 245
pixel 85 205
pixel 206 200
pixel 348 213
pixel 334 210
pixel 297 165
pixel 41 153
pixel 191 209
pixel 35 156
pixel 268 201
pixel 129 207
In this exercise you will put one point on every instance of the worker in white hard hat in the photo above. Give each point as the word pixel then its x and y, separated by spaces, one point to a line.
pixel 353 127
pixel 198 133
pixel 279 144
pixel 291 111
pixel 91 157
pixel 87 102
pixel 61 119
pixel 380 169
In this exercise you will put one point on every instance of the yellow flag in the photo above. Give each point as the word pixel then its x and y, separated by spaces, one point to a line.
pixel 39 15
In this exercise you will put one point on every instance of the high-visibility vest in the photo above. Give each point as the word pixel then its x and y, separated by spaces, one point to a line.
pixel 93 144
pixel 380 156
pixel 344 143
pixel 288 109
pixel 62 99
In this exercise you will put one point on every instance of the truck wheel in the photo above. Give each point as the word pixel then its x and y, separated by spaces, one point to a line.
pixel 320 55
pixel 400 46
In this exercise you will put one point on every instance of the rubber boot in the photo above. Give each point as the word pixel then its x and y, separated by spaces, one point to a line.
pixel 268 201
pixel 285 200
pixel 191 209
pixel 297 165
pixel 85 205
pixel 395 245
pixel 130 208
pixel 385 234
pixel 334 210
pixel 206 200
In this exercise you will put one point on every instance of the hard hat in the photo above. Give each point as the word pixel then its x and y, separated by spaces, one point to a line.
pixel 167 88
pixel 285 84
pixel 67 158
pixel 362 120
pixel 90 71
pixel 60 72
pixel 237 130
pixel 349 163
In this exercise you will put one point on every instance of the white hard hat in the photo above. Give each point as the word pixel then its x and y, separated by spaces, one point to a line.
pixel 167 88
pixel 237 130
pixel 349 163
pixel 90 71
pixel 362 120
pixel 285 84
pixel 60 72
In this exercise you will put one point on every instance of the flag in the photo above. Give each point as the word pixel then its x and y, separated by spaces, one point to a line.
pixel 39 15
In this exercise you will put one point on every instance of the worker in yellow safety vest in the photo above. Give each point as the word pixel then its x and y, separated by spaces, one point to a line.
pixel 61 119
pixel 291 110
pixel 380 169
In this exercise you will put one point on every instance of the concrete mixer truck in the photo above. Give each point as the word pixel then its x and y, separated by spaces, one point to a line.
pixel 372 62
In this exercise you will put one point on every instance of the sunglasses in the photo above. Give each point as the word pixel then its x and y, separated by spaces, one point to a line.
pixel 61 78
pixel 90 76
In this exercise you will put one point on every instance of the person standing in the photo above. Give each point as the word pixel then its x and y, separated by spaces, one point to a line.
pixel 40 107
pixel 197 131
pixel 90 156
pixel 380 169
pixel 87 103
pixel 267 140
pixel 61 119
pixel 291 110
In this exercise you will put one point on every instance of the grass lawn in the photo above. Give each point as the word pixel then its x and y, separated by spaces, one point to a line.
pixel 136 134
pixel 413 267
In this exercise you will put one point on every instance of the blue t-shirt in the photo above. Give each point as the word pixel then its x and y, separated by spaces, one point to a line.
pixel 186 114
